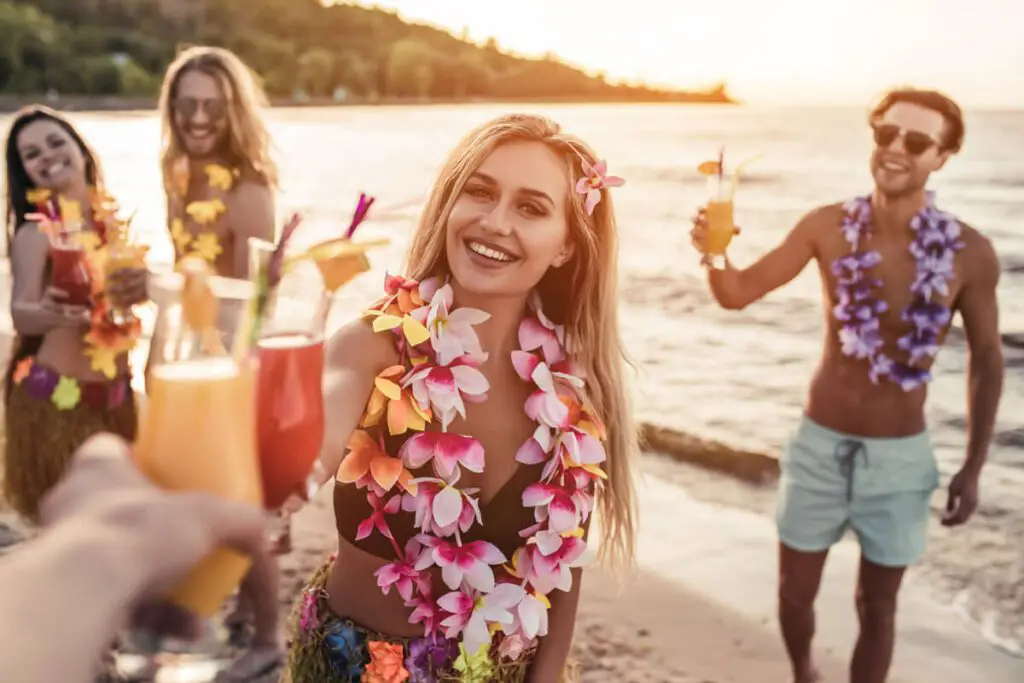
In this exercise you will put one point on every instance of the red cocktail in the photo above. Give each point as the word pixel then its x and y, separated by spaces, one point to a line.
pixel 289 413
pixel 69 271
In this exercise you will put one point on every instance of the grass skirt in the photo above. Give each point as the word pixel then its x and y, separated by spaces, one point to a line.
pixel 41 438
pixel 326 648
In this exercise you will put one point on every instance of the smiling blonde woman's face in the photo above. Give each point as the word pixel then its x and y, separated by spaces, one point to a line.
pixel 510 223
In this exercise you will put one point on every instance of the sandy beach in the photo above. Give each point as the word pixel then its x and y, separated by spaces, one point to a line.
pixel 699 606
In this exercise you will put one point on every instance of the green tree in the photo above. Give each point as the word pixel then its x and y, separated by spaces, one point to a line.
pixel 355 73
pixel 134 80
pixel 410 68
pixel 316 71
pixel 26 40
pixel 102 74
pixel 106 47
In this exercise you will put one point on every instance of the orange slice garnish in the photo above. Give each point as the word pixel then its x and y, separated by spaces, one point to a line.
pixel 341 260
pixel 708 168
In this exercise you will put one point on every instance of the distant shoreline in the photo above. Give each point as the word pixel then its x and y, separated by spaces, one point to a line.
pixel 100 103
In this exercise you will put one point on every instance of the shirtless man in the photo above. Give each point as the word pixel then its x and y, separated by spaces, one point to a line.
pixel 895 269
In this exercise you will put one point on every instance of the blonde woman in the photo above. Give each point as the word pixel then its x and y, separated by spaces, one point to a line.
pixel 218 174
pixel 479 413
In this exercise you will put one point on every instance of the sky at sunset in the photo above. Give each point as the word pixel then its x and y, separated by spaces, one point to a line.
pixel 827 51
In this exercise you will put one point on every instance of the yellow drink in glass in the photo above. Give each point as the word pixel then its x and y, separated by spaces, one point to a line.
pixel 198 433
pixel 721 227
pixel 198 429
pixel 718 212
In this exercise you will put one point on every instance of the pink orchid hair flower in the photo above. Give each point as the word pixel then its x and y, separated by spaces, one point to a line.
pixel 596 178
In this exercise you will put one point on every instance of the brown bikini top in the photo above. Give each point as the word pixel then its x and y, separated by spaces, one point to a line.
pixel 504 516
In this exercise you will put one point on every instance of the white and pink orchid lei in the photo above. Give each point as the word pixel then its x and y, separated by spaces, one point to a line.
pixel 487 592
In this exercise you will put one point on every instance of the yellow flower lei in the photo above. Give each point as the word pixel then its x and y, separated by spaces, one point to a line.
pixel 105 341
pixel 203 212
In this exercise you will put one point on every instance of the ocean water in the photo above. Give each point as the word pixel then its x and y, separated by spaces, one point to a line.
pixel 736 376
pixel 739 377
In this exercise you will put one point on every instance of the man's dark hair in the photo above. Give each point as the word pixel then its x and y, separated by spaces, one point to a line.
pixel 929 99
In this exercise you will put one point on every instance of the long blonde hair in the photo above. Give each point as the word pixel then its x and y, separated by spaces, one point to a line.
pixel 582 295
pixel 248 147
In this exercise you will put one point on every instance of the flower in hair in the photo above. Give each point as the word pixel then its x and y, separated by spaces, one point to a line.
pixel 595 180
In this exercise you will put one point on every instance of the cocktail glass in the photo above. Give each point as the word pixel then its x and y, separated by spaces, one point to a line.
pixel 69 266
pixel 718 212
pixel 289 405
pixel 198 433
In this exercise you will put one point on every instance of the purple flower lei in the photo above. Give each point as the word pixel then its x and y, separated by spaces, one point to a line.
pixel 936 241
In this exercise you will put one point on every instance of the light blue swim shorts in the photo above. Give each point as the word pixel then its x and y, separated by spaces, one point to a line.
pixel 879 488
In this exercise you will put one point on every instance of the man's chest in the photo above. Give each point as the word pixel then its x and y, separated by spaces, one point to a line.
pixel 891 270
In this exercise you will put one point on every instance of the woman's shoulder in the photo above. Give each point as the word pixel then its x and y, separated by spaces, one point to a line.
pixel 357 346
pixel 29 236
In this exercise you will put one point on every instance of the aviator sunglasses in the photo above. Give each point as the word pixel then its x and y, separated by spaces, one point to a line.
pixel 188 107
pixel 915 142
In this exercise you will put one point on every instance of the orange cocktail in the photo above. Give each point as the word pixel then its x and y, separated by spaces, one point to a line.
pixel 718 213
pixel 198 433
pixel 720 226
pixel 198 430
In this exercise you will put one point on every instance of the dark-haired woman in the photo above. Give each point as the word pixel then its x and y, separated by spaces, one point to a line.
pixel 54 398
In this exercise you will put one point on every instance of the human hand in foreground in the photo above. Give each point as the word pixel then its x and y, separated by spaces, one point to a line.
pixel 111 542
pixel 963 498
pixel 170 531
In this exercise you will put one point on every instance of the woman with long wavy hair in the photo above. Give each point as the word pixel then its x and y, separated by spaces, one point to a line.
pixel 217 170
pixel 479 414
pixel 220 182
pixel 54 398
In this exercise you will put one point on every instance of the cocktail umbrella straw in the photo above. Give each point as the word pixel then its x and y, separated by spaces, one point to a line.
pixel 268 277
pixel 362 210
pixel 341 259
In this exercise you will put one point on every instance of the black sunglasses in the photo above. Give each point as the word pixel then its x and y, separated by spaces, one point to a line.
pixel 915 142
pixel 188 107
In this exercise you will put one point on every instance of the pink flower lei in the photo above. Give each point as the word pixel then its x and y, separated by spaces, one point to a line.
pixel 487 592
pixel 936 241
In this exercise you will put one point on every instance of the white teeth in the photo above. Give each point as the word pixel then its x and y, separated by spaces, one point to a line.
pixel 55 167
pixel 492 254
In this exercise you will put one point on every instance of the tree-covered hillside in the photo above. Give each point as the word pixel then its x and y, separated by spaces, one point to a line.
pixel 299 47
